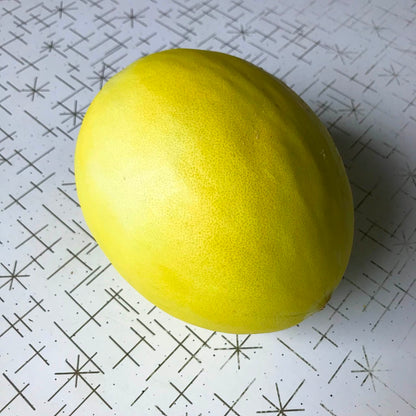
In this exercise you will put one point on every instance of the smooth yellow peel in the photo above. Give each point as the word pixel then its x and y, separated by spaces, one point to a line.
pixel 215 191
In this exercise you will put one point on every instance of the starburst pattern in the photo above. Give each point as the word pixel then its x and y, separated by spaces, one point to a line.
pixel 238 349
pixel 280 408
pixel 75 114
pixel 35 89
pixel 12 277
pixel 407 243
pixel 53 45
pixel 368 369
pixel 243 31
pixel 392 74
pixel 65 9
pixel 409 174
pixel 352 109
pixel 133 17
pixel 77 371
pixel 103 75
pixel 342 53
pixel 49 46
pixel 377 28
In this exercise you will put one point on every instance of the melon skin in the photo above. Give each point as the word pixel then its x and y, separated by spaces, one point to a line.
pixel 215 191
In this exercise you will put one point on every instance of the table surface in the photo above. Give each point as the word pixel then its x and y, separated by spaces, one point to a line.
pixel 75 338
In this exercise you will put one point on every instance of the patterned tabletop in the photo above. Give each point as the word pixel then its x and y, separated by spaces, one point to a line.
pixel 75 338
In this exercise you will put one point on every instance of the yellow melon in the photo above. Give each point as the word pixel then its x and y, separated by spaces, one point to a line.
pixel 215 191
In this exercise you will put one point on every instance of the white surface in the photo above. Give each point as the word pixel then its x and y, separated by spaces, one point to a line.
pixel 355 64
